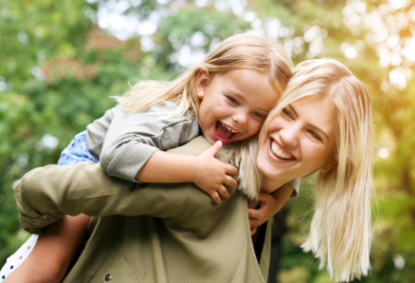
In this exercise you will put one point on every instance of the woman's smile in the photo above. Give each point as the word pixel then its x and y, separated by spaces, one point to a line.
pixel 279 152
pixel 299 139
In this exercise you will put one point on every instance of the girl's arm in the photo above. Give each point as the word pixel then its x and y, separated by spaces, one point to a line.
pixel 45 194
pixel 268 205
pixel 53 253
pixel 135 144
pixel 204 170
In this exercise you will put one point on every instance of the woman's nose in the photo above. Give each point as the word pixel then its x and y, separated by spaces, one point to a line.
pixel 290 135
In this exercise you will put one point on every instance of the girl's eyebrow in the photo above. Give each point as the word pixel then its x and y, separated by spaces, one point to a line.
pixel 242 98
pixel 310 125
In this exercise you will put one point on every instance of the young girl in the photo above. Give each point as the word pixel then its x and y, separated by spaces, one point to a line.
pixel 226 98
pixel 323 123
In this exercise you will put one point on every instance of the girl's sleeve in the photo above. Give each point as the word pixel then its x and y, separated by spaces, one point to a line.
pixel 97 130
pixel 132 139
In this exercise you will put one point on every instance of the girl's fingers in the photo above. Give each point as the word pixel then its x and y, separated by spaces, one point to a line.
pixel 253 213
pixel 231 170
pixel 214 149
pixel 230 181
pixel 223 191
pixel 254 223
pixel 215 196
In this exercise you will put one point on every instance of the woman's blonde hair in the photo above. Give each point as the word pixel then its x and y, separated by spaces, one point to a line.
pixel 340 232
pixel 241 51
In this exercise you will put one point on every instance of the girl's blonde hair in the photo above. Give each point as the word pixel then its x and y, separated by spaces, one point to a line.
pixel 241 51
pixel 340 232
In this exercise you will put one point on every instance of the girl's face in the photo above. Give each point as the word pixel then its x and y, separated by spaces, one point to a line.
pixel 234 104
pixel 299 140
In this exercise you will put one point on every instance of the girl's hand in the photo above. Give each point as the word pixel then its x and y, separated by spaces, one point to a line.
pixel 211 175
pixel 269 204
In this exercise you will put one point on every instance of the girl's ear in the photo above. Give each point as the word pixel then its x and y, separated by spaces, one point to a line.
pixel 202 81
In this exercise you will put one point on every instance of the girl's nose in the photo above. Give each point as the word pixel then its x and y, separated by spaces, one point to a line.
pixel 240 118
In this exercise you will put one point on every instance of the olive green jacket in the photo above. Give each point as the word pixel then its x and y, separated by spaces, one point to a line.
pixel 152 233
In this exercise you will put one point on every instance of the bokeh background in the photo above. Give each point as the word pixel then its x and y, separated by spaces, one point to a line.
pixel 61 61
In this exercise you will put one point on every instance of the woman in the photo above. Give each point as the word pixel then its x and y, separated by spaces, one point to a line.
pixel 340 233
pixel 174 233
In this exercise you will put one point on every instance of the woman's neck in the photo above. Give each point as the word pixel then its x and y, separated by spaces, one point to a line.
pixel 269 185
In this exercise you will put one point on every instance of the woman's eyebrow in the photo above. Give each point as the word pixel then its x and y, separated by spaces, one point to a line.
pixel 292 109
pixel 318 129
pixel 310 125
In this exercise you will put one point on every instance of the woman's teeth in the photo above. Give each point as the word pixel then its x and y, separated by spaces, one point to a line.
pixel 230 129
pixel 276 150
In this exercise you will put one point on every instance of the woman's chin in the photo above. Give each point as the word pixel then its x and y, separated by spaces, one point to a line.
pixel 272 175
pixel 266 169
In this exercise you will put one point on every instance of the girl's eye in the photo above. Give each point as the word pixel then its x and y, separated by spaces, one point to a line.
pixel 232 100
pixel 258 115
pixel 287 113
pixel 315 135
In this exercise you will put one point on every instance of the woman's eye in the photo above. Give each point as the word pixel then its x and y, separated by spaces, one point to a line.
pixel 232 100
pixel 287 113
pixel 315 135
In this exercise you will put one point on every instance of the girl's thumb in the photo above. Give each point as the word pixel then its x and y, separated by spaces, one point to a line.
pixel 216 147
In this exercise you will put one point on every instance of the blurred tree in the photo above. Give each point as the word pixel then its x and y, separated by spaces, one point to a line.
pixel 60 63
pixel 30 32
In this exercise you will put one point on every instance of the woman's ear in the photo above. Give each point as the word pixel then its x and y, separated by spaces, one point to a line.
pixel 328 166
pixel 202 81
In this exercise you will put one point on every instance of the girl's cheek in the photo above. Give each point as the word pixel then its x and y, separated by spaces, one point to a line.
pixel 257 126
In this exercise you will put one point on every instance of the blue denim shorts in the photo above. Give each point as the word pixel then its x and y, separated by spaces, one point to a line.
pixel 77 151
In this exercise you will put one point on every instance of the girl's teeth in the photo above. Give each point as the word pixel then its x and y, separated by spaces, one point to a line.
pixel 229 129
pixel 276 150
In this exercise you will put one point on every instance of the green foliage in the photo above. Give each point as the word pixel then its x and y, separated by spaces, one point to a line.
pixel 34 30
pixel 178 30
pixel 58 71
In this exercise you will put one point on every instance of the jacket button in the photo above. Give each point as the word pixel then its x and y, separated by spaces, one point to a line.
pixel 46 217
pixel 108 277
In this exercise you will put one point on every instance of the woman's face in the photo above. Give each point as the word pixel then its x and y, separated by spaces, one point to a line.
pixel 299 140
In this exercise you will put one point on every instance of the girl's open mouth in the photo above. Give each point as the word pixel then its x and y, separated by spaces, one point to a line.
pixel 224 132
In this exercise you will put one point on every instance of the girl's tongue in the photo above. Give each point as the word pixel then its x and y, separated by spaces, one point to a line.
pixel 222 132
